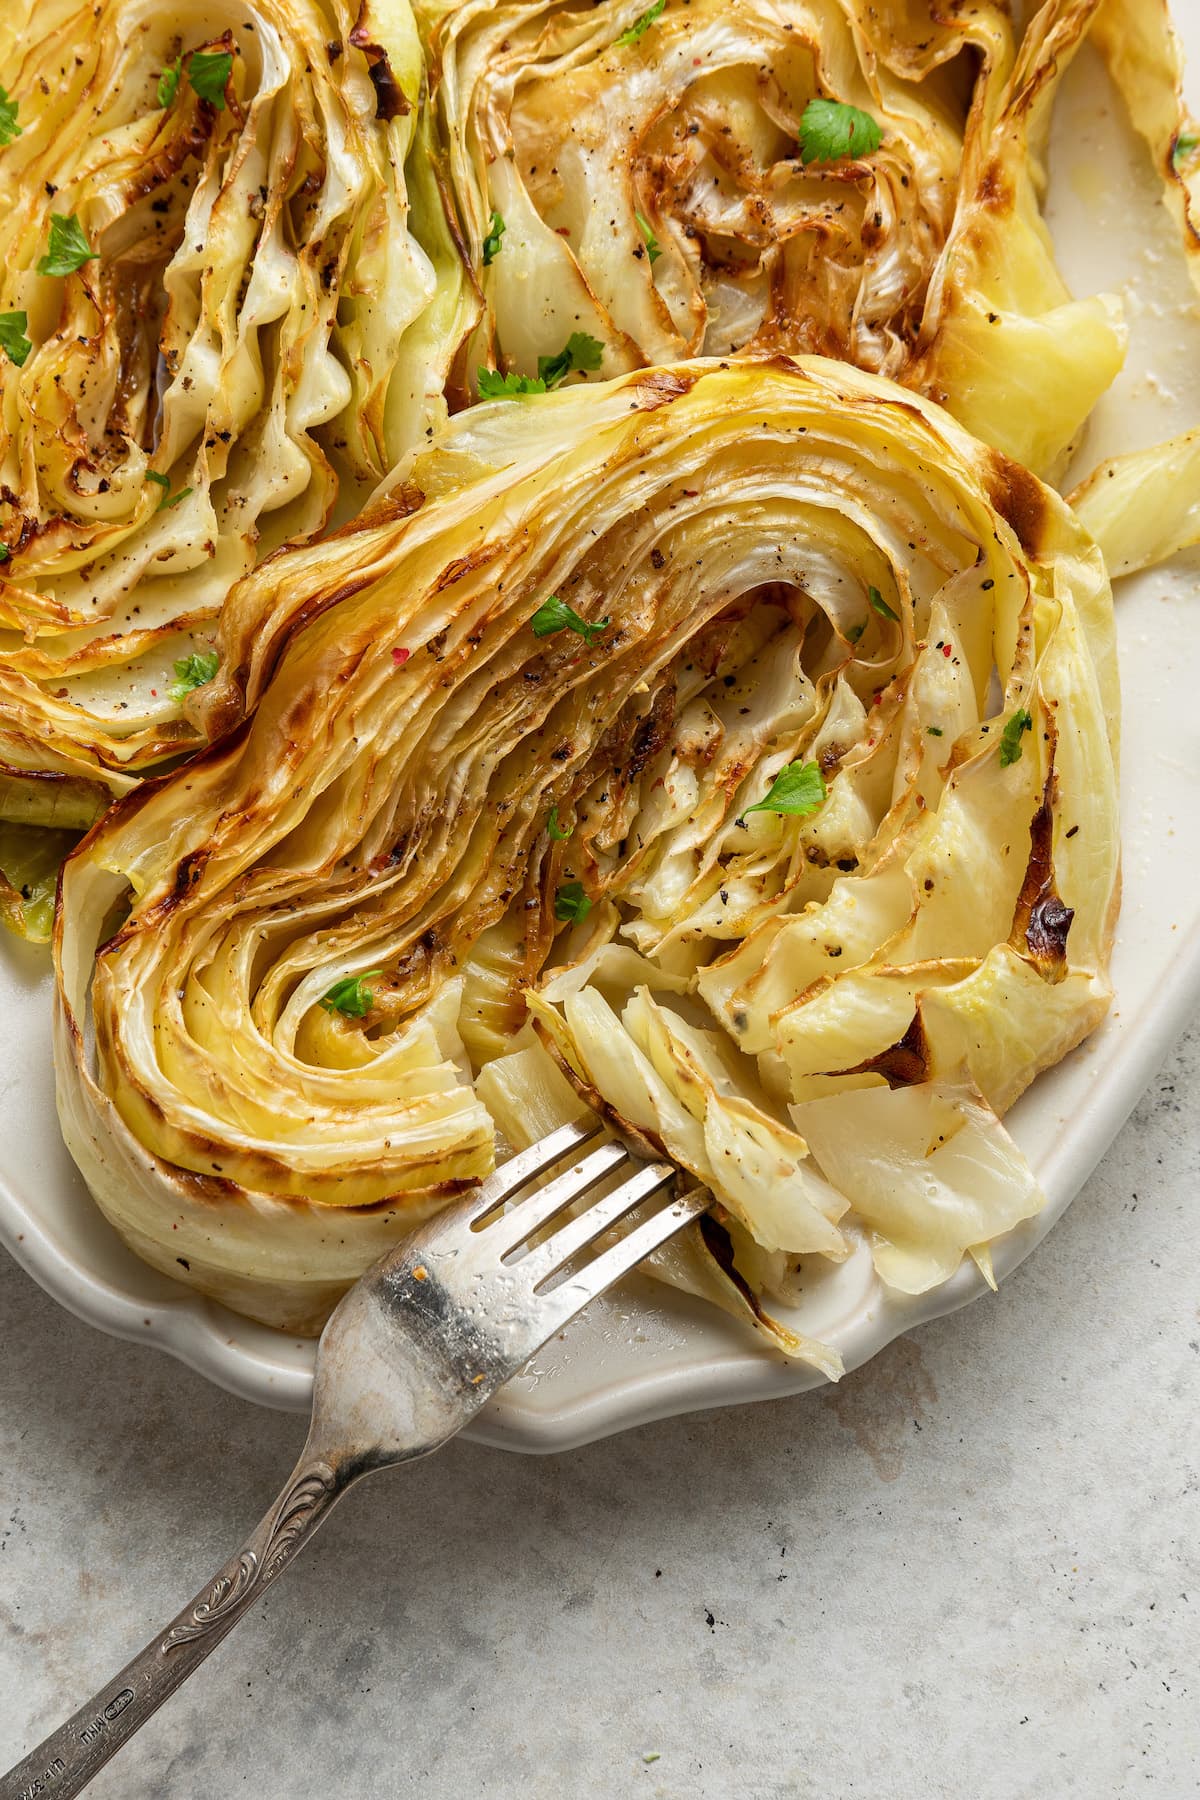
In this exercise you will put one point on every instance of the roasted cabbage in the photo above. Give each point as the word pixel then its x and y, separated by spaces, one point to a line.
pixel 649 177
pixel 728 746
pixel 250 297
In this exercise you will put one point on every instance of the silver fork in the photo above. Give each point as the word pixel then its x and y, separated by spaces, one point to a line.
pixel 408 1357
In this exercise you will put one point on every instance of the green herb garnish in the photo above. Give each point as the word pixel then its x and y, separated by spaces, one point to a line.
pixel 642 24
pixel 880 605
pixel 491 243
pixel 935 731
pixel 15 345
pixel 194 671
pixel 831 130
pixel 1010 738
pixel 69 248
pixel 653 247
pixel 350 996
pixel 5 553
pixel 571 903
pixel 799 788
pixel 558 615
pixel 208 71
pixel 493 385
pixel 554 830
pixel 164 482
pixel 1185 144
pixel 9 129
pixel 168 82
pixel 580 352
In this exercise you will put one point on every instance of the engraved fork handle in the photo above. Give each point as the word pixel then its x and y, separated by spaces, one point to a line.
pixel 71 1756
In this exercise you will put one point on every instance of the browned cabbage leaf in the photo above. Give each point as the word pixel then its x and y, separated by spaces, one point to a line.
pixel 820 1014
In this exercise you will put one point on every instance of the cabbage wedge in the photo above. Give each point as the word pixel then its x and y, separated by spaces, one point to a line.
pixel 729 746
pixel 651 178
pixel 215 307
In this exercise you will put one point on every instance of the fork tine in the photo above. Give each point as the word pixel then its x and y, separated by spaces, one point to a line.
pixel 532 1211
pixel 621 1258
pixel 526 1165
pixel 597 1217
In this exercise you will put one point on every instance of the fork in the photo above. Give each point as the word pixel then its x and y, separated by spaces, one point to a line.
pixel 408 1356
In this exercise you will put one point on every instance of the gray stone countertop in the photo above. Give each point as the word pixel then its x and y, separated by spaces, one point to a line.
pixel 969 1571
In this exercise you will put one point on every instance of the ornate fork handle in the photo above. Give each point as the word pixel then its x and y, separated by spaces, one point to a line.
pixel 71 1756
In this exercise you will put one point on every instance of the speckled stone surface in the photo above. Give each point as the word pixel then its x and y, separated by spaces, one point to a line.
pixel 970 1571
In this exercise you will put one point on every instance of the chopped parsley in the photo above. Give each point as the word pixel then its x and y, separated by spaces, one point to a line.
pixel 193 671
pixel 830 130
pixel 642 24
pixel 935 731
pixel 208 72
pixel 580 353
pixel 9 129
pixel 880 605
pixel 799 788
pixel 554 830
pixel 491 243
pixel 168 82
pixel 69 248
pixel 495 386
pixel 15 345
pixel 559 615
pixel 5 553
pixel 653 247
pixel 571 903
pixel 1010 737
pixel 164 482
pixel 1185 145
pixel 350 996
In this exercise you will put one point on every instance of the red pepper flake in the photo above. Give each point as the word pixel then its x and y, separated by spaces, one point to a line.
pixel 563 230
pixel 154 693
pixel 878 697
pixel 400 657
pixel 697 62
pixel 947 649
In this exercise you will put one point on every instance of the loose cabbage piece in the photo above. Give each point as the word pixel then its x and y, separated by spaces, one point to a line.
pixel 666 193
pixel 931 1168
pixel 255 320
pixel 1144 506
pixel 808 796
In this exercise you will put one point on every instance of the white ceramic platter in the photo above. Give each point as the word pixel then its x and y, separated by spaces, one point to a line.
pixel 644 1353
